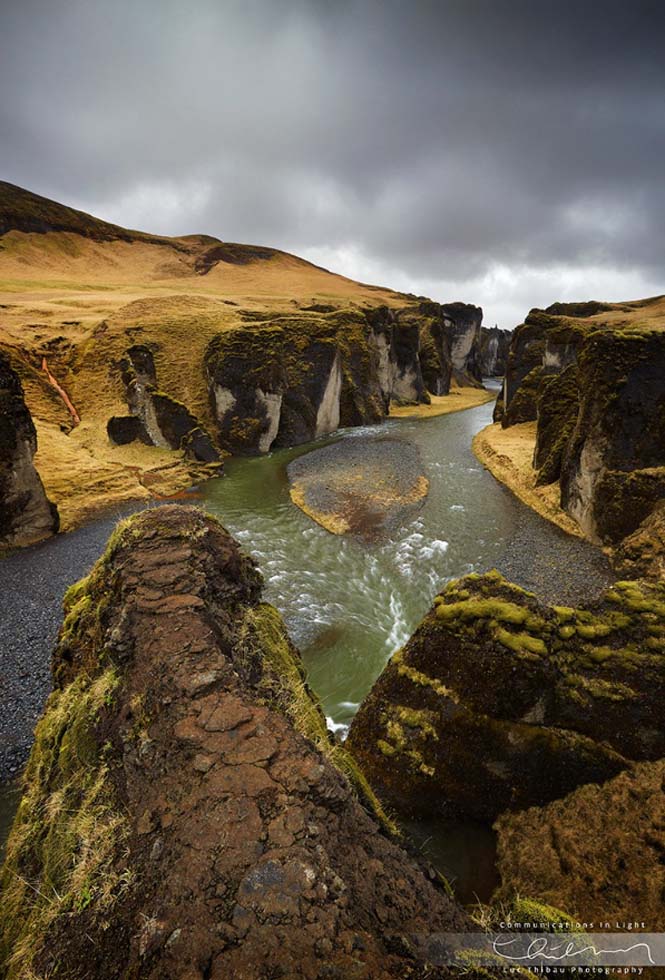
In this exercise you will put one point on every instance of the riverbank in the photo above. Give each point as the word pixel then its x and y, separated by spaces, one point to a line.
pixel 457 400
pixel 508 455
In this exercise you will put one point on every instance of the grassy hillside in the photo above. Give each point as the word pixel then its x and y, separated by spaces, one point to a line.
pixel 79 291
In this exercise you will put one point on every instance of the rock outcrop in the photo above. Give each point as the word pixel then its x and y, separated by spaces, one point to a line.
pixel 295 379
pixel 592 379
pixel 360 486
pixel 26 514
pixel 498 702
pixel 596 853
pixel 157 419
pixel 185 813
pixel 494 349
pixel 289 379
pixel 613 473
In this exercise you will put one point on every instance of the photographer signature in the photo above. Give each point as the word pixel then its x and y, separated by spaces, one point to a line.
pixel 539 949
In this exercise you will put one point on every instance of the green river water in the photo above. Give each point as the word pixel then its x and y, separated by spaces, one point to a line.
pixel 349 604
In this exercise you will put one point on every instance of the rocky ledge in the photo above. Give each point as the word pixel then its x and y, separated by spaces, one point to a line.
pixel 362 486
pixel 185 812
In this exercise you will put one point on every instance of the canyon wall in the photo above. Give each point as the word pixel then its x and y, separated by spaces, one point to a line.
pixel 26 514
pixel 590 375
pixel 289 379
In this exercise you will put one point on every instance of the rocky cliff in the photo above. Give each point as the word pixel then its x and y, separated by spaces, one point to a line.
pixel 26 514
pixel 156 418
pixel 289 379
pixel 590 375
pixel 494 349
pixel 498 702
pixel 185 812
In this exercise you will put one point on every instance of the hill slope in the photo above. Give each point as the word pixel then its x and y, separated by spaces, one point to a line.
pixel 78 293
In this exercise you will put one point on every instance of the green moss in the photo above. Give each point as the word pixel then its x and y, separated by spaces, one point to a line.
pixel 526 910
pixel 564 613
pixel 566 632
pixel 497 609
pixel 521 642
pixel 69 826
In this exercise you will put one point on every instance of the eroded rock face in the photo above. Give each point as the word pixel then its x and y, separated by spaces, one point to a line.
pixel 157 419
pixel 494 349
pixel 498 702
pixel 26 514
pixel 462 322
pixel 613 473
pixel 295 379
pixel 597 851
pixel 185 813
pixel 290 379
pixel 558 404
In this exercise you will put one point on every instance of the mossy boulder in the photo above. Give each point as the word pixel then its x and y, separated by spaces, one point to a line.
pixel 185 812
pixel 613 471
pixel 597 851
pixel 26 513
pixel 499 702
pixel 557 402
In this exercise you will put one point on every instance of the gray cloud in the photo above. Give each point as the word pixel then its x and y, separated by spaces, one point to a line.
pixel 501 151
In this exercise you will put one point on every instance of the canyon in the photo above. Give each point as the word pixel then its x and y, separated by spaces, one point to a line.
pixel 187 809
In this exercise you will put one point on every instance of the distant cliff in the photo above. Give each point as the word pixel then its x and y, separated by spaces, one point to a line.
pixel 494 349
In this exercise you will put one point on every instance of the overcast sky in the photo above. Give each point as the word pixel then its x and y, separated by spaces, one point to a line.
pixel 501 152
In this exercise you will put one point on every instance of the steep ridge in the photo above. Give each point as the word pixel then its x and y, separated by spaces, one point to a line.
pixel 185 812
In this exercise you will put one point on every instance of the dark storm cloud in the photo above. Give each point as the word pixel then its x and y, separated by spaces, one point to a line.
pixel 450 145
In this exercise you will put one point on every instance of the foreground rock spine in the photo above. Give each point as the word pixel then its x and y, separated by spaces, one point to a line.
pixel 185 813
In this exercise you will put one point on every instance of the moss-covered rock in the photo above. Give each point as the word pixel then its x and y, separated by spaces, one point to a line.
pixel 597 851
pixel 613 471
pixel 185 811
pixel 557 401
pixel 499 702
pixel 642 553
pixel 26 514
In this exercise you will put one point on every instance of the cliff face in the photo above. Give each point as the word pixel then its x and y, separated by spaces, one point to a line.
pixel 157 419
pixel 26 514
pixel 290 379
pixel 590 375
pixel 185 813
pixel 613 472
pixel 494 348
pixel 499 703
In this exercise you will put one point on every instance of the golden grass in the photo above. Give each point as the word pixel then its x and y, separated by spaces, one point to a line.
pixel 457 400
pixel 82 303
pixel 508 455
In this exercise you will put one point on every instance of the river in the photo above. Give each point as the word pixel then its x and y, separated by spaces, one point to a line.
pixel 348 603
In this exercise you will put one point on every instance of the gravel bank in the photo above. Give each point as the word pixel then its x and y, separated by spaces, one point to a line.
pixel 33 582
